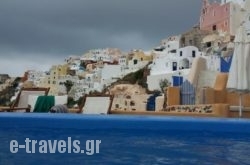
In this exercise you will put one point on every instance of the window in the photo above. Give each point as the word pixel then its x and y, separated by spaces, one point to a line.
pixel 180 53
pixel 132 103
pixel 135 62
pixel 173 51
pixel 193 53
pixel 174 65
pixel 209 44
pixel 214 27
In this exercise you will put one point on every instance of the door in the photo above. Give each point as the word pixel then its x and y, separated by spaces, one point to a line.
pixel 174 66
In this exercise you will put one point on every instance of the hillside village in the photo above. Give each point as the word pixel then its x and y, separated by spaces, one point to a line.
pixel 193 58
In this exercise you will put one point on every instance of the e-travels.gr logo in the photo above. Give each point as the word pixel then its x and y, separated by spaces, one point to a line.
pixel 56 146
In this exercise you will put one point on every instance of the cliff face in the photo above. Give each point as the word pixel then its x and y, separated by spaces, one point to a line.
pixel 193 37
pixel 8 92
pixel 5 95
pixel 139 77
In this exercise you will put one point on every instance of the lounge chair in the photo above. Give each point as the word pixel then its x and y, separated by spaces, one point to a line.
pixel 96 104
pixel 21 102
pixel 59 100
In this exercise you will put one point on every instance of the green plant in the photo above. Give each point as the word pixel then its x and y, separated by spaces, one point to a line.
pixel 68 85
pixel 164 83
pixel 71 102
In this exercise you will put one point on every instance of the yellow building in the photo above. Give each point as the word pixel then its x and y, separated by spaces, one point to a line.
pixel 52 78
pixel 139 55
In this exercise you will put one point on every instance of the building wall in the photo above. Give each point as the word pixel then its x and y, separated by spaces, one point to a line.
pixel 240 2
pixel 215 14
pixel 193 37
pixel 52 78
pixel 108 55
pixel 205 79
pixel 136 102
pixel 236 17
pixel 123 61
pixel 213 62
pixel 154 80
pixel 225 17
pixel 247 23
pixel 140 55
pixel 111 71
pixel 171 43
pixel 183 59
pixel 132 67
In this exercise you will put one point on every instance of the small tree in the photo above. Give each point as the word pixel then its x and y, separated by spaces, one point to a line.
pixel 164 83
pixel 16 82
pixel 68 85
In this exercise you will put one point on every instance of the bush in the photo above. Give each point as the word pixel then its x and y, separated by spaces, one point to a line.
pixel 164 83
pixel 71 102
pixel 134 77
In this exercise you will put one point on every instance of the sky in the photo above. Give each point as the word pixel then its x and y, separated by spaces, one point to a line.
pixel 36 34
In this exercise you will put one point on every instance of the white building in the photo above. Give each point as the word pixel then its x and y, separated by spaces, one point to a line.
pixel 105 55
pixel 171 43
pixel 110 73
pixel 181 59
pixel 177 63
pixel 135 64
pixel 246 18
pixel 35 77
pixel 122 61
pixel 71 59
pixel 213 62
pixel 240 2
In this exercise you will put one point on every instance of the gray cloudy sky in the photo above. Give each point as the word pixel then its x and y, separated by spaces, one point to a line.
pixel 34 34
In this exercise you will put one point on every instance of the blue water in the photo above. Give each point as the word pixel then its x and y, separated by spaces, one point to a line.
pixel 129 139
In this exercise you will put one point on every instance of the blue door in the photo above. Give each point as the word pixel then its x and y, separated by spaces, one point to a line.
pixel 187 93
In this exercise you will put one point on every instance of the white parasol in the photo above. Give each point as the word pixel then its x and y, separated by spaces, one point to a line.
pixel 239 73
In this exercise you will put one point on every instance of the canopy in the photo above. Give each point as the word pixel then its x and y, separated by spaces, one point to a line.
pixel 239 73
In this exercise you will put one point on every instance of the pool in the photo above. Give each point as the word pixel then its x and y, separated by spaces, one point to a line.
pixel 127 139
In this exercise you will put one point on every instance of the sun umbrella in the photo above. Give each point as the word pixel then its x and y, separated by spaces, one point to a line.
pixel 239 74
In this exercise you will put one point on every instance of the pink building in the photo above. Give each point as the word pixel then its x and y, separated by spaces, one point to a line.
pixel 223 17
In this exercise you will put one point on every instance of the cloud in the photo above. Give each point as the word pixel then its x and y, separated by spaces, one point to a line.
pixel 58 28
pixel 16 66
